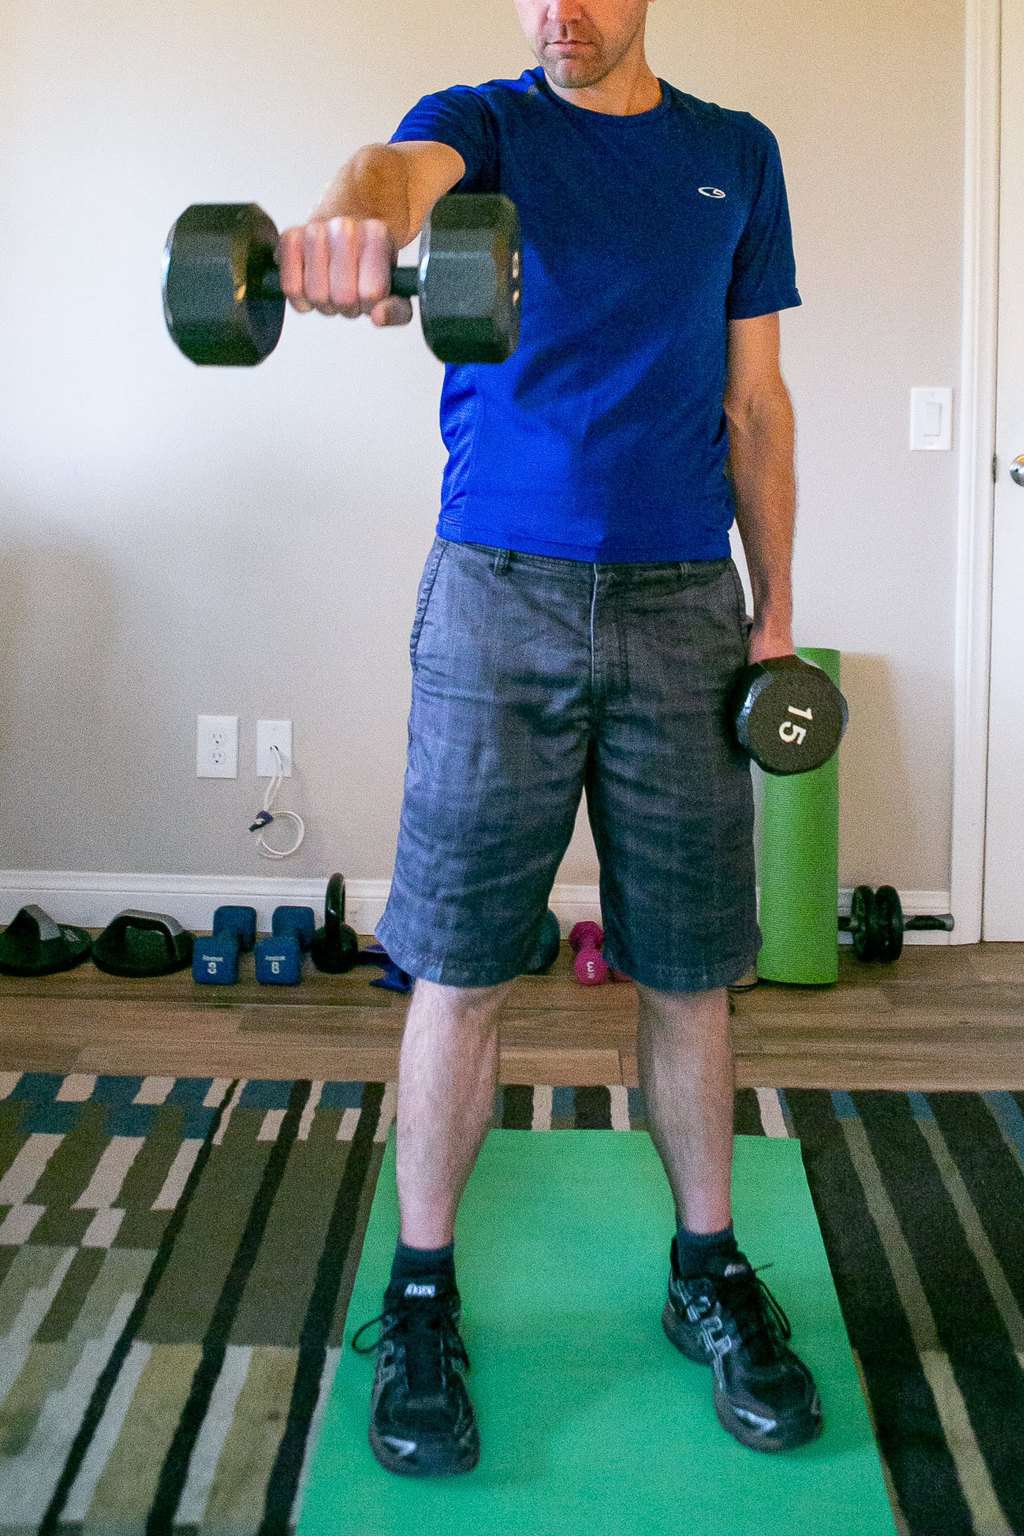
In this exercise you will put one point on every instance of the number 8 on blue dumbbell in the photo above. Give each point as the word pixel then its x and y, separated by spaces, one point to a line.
pixel 279 957
pixel 215 959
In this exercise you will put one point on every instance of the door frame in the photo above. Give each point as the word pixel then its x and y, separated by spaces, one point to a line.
pixel 978 467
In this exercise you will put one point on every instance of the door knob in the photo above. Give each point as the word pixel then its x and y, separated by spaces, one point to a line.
pixel 1017 469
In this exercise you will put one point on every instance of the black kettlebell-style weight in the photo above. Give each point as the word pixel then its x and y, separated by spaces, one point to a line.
pixel 224 307
pixel 335 947
pixel 789 715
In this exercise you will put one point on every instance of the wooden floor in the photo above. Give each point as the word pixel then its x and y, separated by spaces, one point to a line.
pixel 942 1016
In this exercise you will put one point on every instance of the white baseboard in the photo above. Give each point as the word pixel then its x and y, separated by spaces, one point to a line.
pixel 93 900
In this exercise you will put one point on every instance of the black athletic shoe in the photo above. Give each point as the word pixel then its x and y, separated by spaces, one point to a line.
pixel 764 1395
pixel 422 1422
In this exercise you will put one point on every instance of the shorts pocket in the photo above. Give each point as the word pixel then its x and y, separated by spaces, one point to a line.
pixel 746 622
pixel 427 580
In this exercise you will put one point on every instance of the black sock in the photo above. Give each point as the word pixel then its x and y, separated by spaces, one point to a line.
pixel 422 1264
pixel 705 1253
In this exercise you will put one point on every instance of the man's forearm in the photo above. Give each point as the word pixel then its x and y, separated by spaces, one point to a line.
pixel 762 445
pixel 372 185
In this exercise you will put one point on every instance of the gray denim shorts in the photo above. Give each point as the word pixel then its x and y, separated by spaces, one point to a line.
pixel 534 679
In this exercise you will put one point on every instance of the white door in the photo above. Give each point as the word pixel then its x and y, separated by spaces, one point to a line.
pixel 1003 908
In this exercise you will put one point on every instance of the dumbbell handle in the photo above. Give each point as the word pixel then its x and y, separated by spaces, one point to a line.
pixel 405 283
pixel 944 921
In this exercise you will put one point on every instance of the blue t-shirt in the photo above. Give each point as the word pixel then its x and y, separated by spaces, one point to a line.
pixel 604 438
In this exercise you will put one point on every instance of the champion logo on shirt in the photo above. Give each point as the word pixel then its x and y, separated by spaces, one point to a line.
pixel 711 192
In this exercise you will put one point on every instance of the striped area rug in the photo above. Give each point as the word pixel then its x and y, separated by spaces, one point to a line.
pixel 176 1258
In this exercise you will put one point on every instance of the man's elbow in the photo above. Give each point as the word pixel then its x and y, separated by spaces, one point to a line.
pixel 741 410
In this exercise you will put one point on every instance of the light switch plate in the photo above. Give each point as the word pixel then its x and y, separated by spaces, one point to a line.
pixel 931 419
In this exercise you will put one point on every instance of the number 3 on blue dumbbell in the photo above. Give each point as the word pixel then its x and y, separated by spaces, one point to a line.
pixel 279 957
pixel 215 959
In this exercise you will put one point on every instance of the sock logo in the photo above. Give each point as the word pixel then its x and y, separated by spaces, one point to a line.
pixel 412 1289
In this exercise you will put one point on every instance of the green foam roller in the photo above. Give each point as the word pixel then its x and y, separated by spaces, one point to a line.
pixel 799 867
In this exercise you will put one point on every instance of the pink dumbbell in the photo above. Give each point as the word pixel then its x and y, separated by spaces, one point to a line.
pixel 591 968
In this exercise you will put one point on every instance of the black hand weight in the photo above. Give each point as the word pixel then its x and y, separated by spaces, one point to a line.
pixel 335 948
pixel 876 923
pixel 224 306
pixel 788 715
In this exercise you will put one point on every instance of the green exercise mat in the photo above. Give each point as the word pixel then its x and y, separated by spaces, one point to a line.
pixel 590 1420
pixel 798 868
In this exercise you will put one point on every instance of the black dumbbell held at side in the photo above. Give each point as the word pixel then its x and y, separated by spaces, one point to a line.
pixel 789 716
pixel 224 307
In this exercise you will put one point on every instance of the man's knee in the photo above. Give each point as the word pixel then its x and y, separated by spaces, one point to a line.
pixel 662 995
pixel 682 1010
pixel 480 1004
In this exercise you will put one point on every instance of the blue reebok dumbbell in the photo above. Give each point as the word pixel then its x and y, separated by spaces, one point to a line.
pixel 298 922
pixel 215 959
pixel 279 957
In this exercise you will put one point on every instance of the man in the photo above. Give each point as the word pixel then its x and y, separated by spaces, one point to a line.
pixel 579 624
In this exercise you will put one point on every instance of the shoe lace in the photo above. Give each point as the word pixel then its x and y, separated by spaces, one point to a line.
pixel 760 1321
pixel 418 1323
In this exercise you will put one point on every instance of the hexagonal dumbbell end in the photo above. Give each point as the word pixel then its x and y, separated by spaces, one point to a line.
pixel 223 304
pixel 470 279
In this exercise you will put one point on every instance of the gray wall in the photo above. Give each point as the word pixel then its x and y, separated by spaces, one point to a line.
pixel 179 540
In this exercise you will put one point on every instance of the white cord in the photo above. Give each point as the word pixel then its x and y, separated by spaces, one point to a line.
pixel 265 818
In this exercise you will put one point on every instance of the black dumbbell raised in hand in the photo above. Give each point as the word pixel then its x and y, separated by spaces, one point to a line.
pixel 224 306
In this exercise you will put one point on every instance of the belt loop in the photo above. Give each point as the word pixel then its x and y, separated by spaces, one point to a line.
pixel 500 563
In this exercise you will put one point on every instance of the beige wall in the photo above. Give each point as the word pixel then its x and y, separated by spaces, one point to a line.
pixel 176 540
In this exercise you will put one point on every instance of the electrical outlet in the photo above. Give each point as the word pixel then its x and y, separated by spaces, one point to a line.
pixel 273 733
pixel 217 747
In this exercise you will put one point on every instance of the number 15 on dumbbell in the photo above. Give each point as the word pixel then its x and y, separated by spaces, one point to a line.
pixel 788 715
